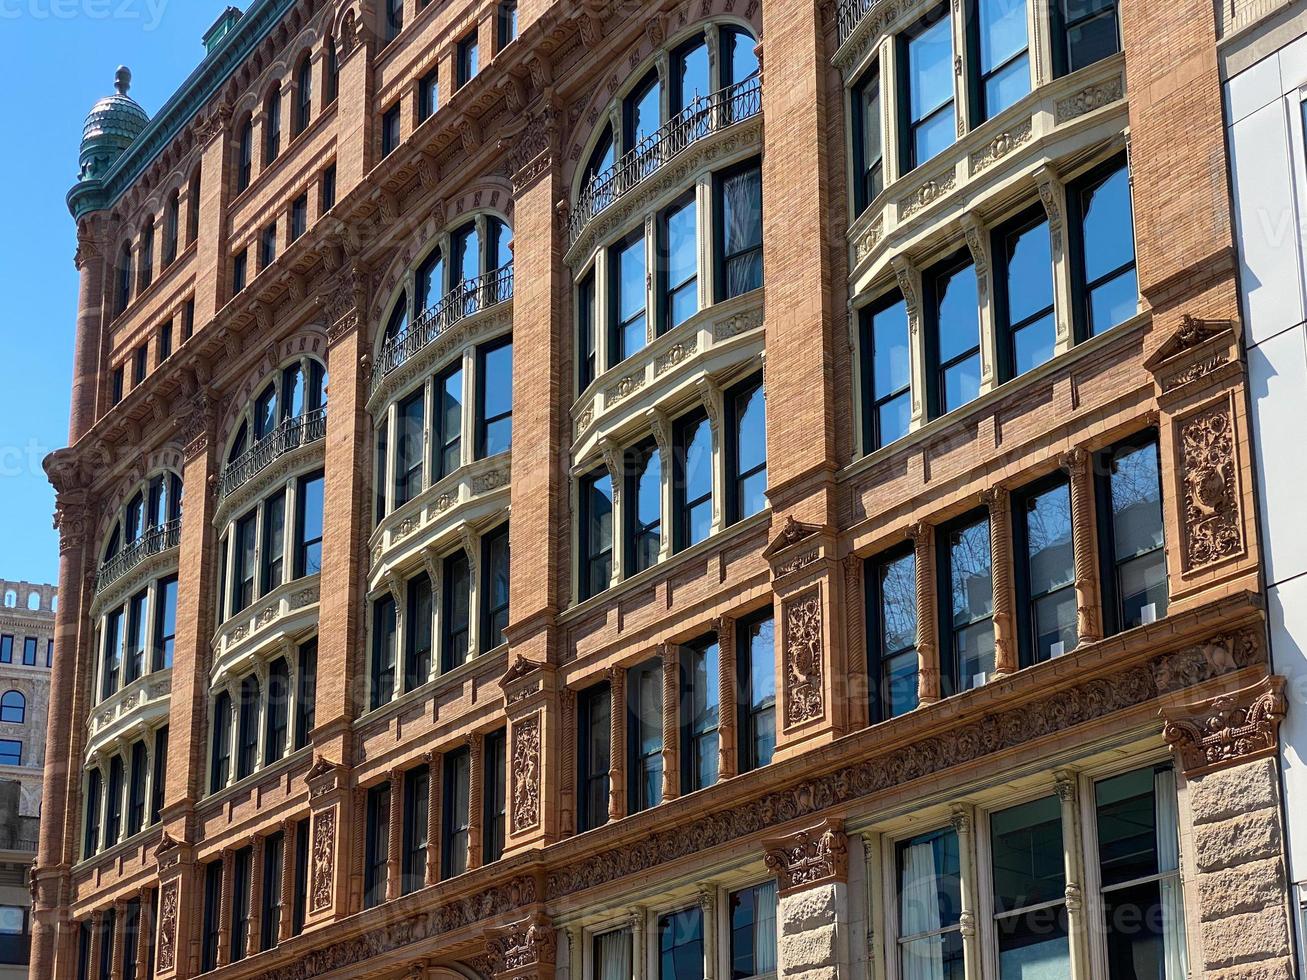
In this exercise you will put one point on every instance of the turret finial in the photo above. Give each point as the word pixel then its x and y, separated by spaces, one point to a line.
pixel 122 79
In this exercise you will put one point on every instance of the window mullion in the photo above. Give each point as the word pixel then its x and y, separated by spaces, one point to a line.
pixel 1039 35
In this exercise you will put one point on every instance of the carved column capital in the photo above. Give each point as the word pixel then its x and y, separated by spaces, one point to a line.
pixel 1227 730
pixel 814 856
pixel 522 947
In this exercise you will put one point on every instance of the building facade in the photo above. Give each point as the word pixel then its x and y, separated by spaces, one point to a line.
pixel 681 489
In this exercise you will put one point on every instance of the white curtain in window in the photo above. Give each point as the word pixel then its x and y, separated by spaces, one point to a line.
pixel 1168 860
pixel 764 933
pixel 614 953
pixel 919 912
pixel 743 230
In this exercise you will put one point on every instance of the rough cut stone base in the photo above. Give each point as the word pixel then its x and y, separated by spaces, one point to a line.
pixel 813 934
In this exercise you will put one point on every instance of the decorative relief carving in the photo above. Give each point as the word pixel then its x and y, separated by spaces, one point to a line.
pixel 1000 146
pixel 805 697
pixel 1211 520
pixel 624 388
pixel 324 859
pixel 733 326
pixel 526 774
pixel 675 355
pixel 815 856
pixel 1229 729
pixel 868 240
pixel 925 195
pixel 168 927
pixel 531 942
pixel 492 480
pixel 1088 99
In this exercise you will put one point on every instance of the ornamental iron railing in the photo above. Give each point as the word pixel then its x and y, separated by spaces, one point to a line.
pixel 849 14
pixel 701 118
pixel 153 541
pixel 290 434
pixel 469 297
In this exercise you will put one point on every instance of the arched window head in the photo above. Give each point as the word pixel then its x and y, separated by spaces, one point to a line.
pixel 34 601
pixel 11 598
pixel 296 392
pixel 147 253
pixel 245 154
pixel 172 227
pixel 13 708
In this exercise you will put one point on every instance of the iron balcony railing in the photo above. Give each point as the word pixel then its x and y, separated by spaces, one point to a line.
pixel 467 298
pixel 156 539
pixel 290 434
pixel 702 117
pixel 849 14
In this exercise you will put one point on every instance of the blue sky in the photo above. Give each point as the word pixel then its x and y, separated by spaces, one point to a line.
pixel 59 57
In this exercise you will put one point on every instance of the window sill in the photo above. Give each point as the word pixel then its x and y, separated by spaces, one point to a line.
pixel 269 773
pixel 117 855
pixel 268 623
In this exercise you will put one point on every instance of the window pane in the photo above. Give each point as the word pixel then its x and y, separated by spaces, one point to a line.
pixel 1034 945
pixel 1026 848
pixel 972 598
pixel 310 526
pixel 1002 26
pixel 867 106
pixel 630 298
pixel 930 906
pixel 646 530
pixel 690 78
pixel 1092 31
pixel 497 400
pixel 1029 260
pixel 930 71
pixel 750 453
pixel 597 531
pixel 742 231
pixel 762 691
pixel 1127 827
pixel 1051 569
pixel 1033 344
pixel 958 323
pixel 1114 301
pixel 680 945
pixel 682 264
pixel 643 112
pixel 449 419
pixel 891 354
pixel 753 931
pixel 1007 85
pixel 694 454
pixel 1108 225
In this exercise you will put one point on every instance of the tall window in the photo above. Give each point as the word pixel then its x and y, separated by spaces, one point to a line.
pixel 494 398
pixel 220 748
pixel 239 925
pixel 272 899
pixel 1046 571
pixel 193 208
pixel 300 893
pixel 996 35
pixel 457 771
pixel 243 567
pixel 394 18
pixel 1131 536
pixel 331 76
pixel 160 773
pixel 1139 868
pixel 267 246
pixel 390 130
pixel 308 525
pixel 124 290
pixel 627 330
pixel 692 479
pixel 131 933
pixel 594 717
pixel 274 542
pixel 171 228
pixel 926 115
pixel 147 254
pixel 868 154
pixel 753 931
pixel 247 728
pixel 113 816
pixel 1029 880
pixel 328 188
pixel 410 424
pixel 738 200
pixel 276 722
pixel 506 23
pixel 466 60
pixel 596 524
pixel 245 155
pixel 644 726
pixel 746 451
pixel 91 824
pixel 456 609
pixel 494 798
pixel 447 427
pixel 641 112
pixel 1023 286
pixel 886 372
pixel 272 126
pixel 678 266
pixel 376 845
pixel 303 95
pixel 680 945
pixel 428 95
pixel 240 268
pixel 299 217
pixel 612 954
pixel 136 789
pixel 891 582
pixel 417 800
pixel 6 649
pixel 1103 249
pixel 756 673
pixel 644 513
pixel 384 637
pixel 494 587
pixel 965 577
pixel 418 631
pixel 700 714
pixel 212 926
pixel 952 336
pixel 585 332
pixel 929 884
pixel 1090 31
pixel 111 661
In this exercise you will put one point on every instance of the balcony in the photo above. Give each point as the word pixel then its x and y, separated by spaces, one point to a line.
pixel 291 434
pixel 849 14
pixel 469 297
pixel 154 541
pixel 701 118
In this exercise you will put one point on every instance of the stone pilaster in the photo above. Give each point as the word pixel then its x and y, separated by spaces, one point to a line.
pixel 1089 620
pixel 534 750
pixel 180 907
pixel 394 834
pixel 224 906
pixel 331 819
pixel 475 798
pixel 812 922
pixel 288 857
pixel 671 658
pixel 1006 649
pixel 435 794
pixel 253 933
pixel 727 711
pixel 617 803
pixel 928 654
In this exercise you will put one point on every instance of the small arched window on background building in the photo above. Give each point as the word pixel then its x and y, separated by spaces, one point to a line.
pixel 303 95
pixel 13 708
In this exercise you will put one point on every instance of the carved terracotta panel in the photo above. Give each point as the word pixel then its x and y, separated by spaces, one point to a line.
pixel 168 927
pixel 526 774
pixel 805 697
pixel 1211 518
pixel 324 859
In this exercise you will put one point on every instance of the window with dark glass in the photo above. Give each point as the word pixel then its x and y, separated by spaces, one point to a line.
pixel 641 112
pixel 137 773
pixel 299 217
pixel 376 844
pixel 587 359
pixel 164 341
pixel 308 525
pixel 494 398
pixel 756 678
pixel 272 900
pixel 159 783
pixel 274 542
pixel 300 892
pixel 303 95
pixel 328 188
pixel 384 636
pixel 886 372
pixel 130 933
pixel 171 228
pixel 753 931
pixel 276 723
pixel 7 649
pixel 394 18
pixel 1102 239
pixel 891 583
pixel 466 60
pixel 952 335
pixel 926 122
pixel 455 813
pixel 417 799
pixel 737 199
pixel 680 945
pixel 596 524
pixel 307 679
pixel 239 271
pixel 928 882
pixel 1029 880
pixel 692 480
pixel 428 95
pixel 700 714
pixel 594 720
pixel 13 708
pixel 147 254
pixel 868 148
pixel 111 663
pixel 390 130
pixel 966 588
pixel 140 364
pixel 644 489
pixel 116 385
pixel 241 868
pixel 627 324
pixel 494 798
pixel 247 728
pixel 113 816
pixel 456 611
pixel 678 265
pixel 410 424
pixel 1045 570
pixel 644 736
pixel 245 155
pixel 188 319
pixel 91 823
pixel 1023 287
pixel 612 955
pixel 746 450
pixel 84 935
pixel 506 23
pixel 1131 536
pixel 418 625
pixel 1085 31
pixel 243 566
pixel 212 916
pixel 494 587
pixel 272 127
pixel 220 751
pixel 123 292
pixel 996 37
pixel 447 428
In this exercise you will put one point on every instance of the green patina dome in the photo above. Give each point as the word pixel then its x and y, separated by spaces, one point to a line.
pixel 111 126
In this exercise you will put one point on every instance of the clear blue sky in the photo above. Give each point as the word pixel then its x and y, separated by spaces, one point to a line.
pixel 59 56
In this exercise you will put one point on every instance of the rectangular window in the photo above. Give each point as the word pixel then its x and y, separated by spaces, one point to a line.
pixel 247 728
pixel 299 217
pixel 680 945
pixel 494 587
pixel 165 342
pixel 308 525
pixel 272 127
pixel 455 813
pixel 926 115
pixel 1102 249
pixel 428 96
pixel 49 653
pixel 700 714
pixel 417 806
pixel 159 783
pixel 165 622
pixel 678 265
pixel 1092 32
pixel 140 364
pixel 307 680
pixel 692 480
pixel 447 428
pixel 220 751
pixel 891 583
pixel 11 754
pixel 1029 879
pixel 113 653
pixel 188 319
pixel 594 717
pixel 239 268
pixel 746 450
pixel 753 931
pixel 737 200
pixel 1045 570
pixel 383 651
pixel 467 57
pixel 410 429
pixel 886 372
pixel 276 712
pixel 241 867
pixel 1139 870
pixel 644 736
pixel 268 246
pixel 113 817
pixel 136 789
pixel 274 856
pixel 390 130
pixel 274 542
pixel 868 151
pixel 627 331
pixel 756 679
pixel 587 358
pixel 506 23
pixel 418 627
pixel 612 955
pixel 91 823
pixel 929 887
pixel 243 552
pixel 1023 288
pixel 455 611
pixel 596 524
pixel 299 907
pixel 29 643
pixel 84 935
pixel 1131 536
pixel 116 385
pixel 494 798
pixel 644 511
pixel 7 649
pixel 328 188
pixel 394 18
pixel 967 615
pixel 212 916
pixel 494 398
pixel 376 845
pixel 952 335
pixel 996 37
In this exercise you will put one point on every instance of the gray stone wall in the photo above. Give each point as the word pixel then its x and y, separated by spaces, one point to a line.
pixel 813 933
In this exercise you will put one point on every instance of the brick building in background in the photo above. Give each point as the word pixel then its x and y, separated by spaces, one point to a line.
pixel 444 597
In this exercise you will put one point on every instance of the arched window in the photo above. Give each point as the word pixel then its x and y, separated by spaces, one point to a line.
pixel 245 154
pixel 397 325
pixel 303 95
pixel 34 601
pixel 171 227
pixel 147 253
pixel 331 76
pixel 193 208
pixel 13 708
pixel 11 598
pixel 272 126
pixel 124 295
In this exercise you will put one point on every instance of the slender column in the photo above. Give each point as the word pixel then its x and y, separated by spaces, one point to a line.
pixel 98 952
pixel 475 798
pixel 119 940
pixel 395 833
pixel 358 853
pixel 727 716
pixel 875 902
pixel 969 884
pixel 144 930
pixel 433 817
pixel 617 802
pixel 858 691
pixel 1089 622
pixel 708 908
pixel 567 788
pixel 637 919
pixel 90 263
pixel 923 538
pixel 288 857
pixel 253 934
pixel 671 657
pixel 1077 918
pixel 224 907
pixel 1006 659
